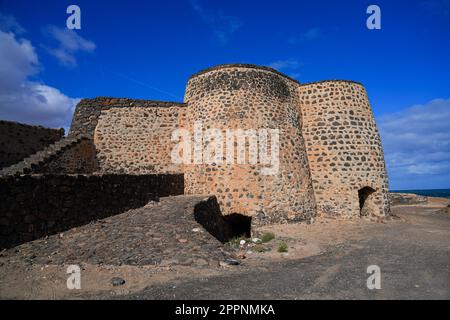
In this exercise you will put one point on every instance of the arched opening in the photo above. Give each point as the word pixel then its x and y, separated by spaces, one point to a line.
pixel 239 224
pixel 223 228
pixel 363 195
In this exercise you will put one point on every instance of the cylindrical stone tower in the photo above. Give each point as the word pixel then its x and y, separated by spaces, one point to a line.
pixel 255 100
pixel 344 150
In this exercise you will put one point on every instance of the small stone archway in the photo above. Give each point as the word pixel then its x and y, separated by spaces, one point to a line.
pixel 365 201
pixel 240 225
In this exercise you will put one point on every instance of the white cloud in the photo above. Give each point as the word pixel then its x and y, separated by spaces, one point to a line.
pixel 289 64
pixel 22 99
pixel 68 44
pixel 18 60
pixel 416 144
pixel 222 25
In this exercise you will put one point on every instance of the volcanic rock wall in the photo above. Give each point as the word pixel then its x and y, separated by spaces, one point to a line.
pixel 130 136
pixel 66 156
pixel 251 98
pixel 33 206
pixel 18 141
pixel 330 154
pixel 344 149
pixel 79 158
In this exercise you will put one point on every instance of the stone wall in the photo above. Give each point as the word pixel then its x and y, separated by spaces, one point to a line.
pixel 344 149
pixel 130 136
pixel 137 139
pixel 79 158
pixel 66 156
pixel 398 199
pixel 250 98
pixel 18 141
pixel 33 206
pixel 330 152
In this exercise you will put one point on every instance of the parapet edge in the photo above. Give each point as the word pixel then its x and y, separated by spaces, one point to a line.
pixel 331 80
pixel 242 65
pixel 128 102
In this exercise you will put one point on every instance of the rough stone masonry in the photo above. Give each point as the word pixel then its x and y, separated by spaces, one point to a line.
pixel 331 160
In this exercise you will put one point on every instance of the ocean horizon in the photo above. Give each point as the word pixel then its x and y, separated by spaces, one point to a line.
pixel 442 193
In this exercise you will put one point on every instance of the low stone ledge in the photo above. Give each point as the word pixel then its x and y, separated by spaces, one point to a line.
pixel 397 199
pixel 34 206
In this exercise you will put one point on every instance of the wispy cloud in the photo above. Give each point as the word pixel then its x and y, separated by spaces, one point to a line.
pixel 144 84
pixel 25 100
pixel 310 34
pixel 68 43
pixel 416 142
pixel 9 23
pixel 289 66
pixel 222 25
pixel 285 64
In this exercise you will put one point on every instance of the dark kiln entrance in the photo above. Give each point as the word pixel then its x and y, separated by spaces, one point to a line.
pixel 364 205
pixel 239 224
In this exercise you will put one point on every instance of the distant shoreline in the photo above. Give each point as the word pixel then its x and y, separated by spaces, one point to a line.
pixel 440 193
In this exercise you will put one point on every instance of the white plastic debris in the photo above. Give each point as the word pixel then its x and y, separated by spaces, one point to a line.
pixel 196 230
pixel 242 242
pixel 256 240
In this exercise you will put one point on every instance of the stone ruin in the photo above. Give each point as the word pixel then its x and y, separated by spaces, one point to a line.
pixel 118 155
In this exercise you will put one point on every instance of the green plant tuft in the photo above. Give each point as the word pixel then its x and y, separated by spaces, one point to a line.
pixel 266 237
pixel 283 247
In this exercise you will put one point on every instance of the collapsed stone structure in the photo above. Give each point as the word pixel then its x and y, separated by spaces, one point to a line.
pixel 330 155
pixel 18 141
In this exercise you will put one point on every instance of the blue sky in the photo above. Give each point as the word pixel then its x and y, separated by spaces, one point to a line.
pixel 148 49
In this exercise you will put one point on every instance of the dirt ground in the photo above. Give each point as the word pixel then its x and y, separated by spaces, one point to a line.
pixel 326 259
